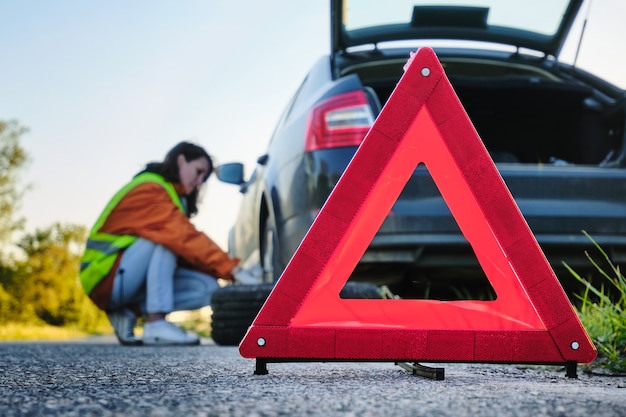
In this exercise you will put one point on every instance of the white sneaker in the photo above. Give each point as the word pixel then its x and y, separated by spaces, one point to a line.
pixel 162 332
pixel 123 322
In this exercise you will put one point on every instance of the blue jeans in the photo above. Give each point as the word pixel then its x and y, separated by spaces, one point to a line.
pixel 148 276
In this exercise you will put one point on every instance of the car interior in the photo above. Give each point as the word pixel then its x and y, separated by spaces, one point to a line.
pixel 550 120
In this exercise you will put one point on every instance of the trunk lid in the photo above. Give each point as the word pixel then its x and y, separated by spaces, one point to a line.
pixel 534 24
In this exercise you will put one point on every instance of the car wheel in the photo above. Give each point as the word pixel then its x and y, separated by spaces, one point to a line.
pixel 235 307
pixel 269 251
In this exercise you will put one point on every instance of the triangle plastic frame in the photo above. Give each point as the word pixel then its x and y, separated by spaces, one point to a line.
pixel 531 320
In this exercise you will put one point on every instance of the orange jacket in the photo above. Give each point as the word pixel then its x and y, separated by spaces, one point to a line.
pixel 147 211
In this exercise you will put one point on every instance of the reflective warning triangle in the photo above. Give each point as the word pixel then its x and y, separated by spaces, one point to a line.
pixel 531 319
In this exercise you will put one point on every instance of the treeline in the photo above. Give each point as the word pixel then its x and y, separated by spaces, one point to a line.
pixel 38 270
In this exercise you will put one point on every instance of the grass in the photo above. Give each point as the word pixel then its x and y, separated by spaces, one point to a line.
pixel 602 311
pixel 198 321
pixel 24 332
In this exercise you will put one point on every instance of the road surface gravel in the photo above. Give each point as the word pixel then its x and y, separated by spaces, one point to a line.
pixel 98 377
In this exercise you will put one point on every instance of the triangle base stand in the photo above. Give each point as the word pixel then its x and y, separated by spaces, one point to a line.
pixel 415 368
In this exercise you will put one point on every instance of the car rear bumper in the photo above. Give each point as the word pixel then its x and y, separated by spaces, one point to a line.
pixel 558 203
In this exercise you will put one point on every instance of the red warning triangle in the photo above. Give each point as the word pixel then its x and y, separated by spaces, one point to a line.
pixel 531 319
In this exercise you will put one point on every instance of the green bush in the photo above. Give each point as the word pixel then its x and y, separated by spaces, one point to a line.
pixel 602 311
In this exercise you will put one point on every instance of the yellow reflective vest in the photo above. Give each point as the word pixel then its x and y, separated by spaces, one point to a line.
pixel 102 248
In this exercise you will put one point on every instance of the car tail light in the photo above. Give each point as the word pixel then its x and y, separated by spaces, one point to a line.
pixel 342 120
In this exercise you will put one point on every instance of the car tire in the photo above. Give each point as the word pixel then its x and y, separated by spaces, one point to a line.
pixel 235 307
pixel 360 290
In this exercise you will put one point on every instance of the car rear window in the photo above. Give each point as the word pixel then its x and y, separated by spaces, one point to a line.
pixel 538 16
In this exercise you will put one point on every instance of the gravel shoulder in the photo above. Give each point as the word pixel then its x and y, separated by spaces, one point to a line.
pixel 98 377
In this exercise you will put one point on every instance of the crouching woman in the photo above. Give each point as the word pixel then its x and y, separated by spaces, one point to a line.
pixel 145 257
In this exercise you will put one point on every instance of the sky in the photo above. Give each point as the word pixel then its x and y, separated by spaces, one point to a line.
pixel 107 86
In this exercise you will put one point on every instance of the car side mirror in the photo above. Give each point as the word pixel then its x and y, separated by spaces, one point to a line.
pixel 231 173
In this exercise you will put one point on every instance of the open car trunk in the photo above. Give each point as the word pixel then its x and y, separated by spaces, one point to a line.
pixel 532 117
pixel 535 121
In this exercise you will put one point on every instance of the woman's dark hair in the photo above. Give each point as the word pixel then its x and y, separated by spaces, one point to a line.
pixel 168 169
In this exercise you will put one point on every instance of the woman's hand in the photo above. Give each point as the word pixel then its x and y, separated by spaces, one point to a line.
pixel 247 276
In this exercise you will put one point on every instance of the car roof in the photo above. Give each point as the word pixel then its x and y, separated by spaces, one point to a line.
pixel 538 25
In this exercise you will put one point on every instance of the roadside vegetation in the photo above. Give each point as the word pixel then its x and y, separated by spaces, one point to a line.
pixel 40 296
pixel 602 311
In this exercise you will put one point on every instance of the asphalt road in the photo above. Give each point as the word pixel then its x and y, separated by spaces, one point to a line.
pixel 98 377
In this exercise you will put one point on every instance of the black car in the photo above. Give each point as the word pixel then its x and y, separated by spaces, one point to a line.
pixel 555 132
